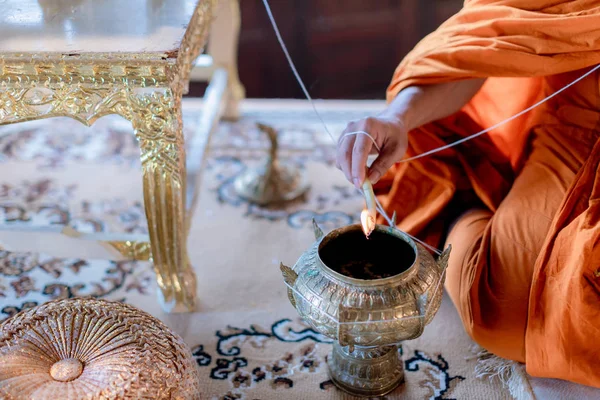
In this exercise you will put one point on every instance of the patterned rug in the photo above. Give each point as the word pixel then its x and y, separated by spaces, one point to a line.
pixel 246 337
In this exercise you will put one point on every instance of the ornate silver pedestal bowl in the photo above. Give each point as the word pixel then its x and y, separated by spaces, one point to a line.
pixel 368 295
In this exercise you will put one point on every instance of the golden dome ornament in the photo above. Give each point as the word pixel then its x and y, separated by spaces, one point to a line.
pixel 274 181
pixel 93 349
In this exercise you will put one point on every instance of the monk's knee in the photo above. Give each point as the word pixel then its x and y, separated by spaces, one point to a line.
pixel 484 323
pixel 505 340
pixel 465 236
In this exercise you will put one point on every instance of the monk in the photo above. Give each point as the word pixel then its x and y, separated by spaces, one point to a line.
pixel 520 204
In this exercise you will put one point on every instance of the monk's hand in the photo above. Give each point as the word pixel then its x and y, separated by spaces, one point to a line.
pixel 353 149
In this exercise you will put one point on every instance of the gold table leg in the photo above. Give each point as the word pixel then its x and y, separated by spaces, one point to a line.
pixel 155 114
pixel 145 88
pixel 156 119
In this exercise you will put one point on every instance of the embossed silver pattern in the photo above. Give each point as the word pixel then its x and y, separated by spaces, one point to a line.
pixel 368 318
pixel 366 371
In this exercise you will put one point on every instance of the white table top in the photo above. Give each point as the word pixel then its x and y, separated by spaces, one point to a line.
pixel 87 26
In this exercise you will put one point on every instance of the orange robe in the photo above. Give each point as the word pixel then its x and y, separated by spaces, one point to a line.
pixel 524 273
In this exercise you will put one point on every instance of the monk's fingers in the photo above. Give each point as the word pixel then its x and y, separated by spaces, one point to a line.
pixel 360 153
pixel 338 159
pixel 342 142
pixel 344 156
pixel 350 127
pixel 381 165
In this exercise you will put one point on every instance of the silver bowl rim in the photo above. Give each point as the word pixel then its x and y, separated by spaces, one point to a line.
pixel 369 282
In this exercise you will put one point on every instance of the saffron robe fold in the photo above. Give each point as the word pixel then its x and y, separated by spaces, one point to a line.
pixel 525 48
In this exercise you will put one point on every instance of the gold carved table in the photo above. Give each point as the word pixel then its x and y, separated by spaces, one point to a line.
pixel 84 59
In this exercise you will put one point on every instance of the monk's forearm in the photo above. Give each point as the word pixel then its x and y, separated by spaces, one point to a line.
pixel 418 105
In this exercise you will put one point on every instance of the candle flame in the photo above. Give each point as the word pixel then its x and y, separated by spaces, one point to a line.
pixel 367 220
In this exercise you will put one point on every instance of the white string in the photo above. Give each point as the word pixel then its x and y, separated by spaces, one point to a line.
pixel 297 75
pixel 391 223
pixel 289 59
pixel 291 63
pixel 379 206
pixel 363 133
pixel 504 121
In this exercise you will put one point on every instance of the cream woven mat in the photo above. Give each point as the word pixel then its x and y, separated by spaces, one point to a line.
pixel 245 336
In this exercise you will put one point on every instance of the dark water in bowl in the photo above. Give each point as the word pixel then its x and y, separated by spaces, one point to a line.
pixel 353 255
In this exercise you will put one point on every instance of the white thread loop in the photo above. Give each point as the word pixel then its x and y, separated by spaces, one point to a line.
pixel 362 133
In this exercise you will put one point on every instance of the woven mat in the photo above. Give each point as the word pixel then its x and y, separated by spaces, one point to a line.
pixel 246 337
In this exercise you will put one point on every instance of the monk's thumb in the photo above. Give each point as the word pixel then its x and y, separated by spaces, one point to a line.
pixel 374 176
pixel 379 168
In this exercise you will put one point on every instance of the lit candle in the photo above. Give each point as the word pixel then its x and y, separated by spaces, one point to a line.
pixel 369 215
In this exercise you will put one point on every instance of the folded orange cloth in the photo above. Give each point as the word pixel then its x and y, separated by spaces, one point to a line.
pixel 528 50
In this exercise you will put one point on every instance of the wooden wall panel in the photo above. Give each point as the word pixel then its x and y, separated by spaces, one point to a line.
pixel 344 49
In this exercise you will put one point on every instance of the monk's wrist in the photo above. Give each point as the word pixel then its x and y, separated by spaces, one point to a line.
pixel 405 108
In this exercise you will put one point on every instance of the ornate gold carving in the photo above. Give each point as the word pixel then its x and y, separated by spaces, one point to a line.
pixel 55 70
pixel 85 105
pixel 88 86
pixel 193 42
pixel 156 119
pixel 145 88
pixel 140 251
pixel 83 88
